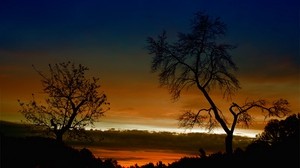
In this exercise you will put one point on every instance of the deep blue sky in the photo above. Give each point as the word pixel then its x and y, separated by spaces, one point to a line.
pixel 109 36
pixel 44 25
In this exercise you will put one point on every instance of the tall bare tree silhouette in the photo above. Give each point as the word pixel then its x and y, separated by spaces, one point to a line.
pixel 73 101
pixel 198 59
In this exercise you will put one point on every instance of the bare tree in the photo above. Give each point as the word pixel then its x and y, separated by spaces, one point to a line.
pixel 198 59
pixel 73 101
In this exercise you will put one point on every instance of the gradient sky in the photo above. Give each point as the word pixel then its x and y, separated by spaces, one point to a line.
pixel 109 37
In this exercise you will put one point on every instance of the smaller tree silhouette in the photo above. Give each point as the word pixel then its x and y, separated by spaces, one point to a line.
pixel 278 145
pixel 279 131
pixel 73 100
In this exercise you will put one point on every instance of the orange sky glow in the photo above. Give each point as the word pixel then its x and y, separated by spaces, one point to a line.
pixel 110 39
pixel 137 101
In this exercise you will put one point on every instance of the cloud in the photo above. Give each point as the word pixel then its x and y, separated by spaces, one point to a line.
pixel 266 64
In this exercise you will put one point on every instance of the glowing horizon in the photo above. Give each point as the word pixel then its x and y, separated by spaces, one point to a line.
pixel 251 133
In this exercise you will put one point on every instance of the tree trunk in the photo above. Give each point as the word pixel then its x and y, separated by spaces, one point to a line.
pixel 228 143
pixel 59 137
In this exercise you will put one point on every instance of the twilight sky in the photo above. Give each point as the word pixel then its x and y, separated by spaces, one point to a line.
pixel 109 37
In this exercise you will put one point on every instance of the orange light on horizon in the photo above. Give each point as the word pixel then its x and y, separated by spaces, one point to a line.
pixel 139 157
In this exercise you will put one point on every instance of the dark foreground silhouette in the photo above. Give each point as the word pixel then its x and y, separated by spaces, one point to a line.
pixel 278 146
pixel 37 152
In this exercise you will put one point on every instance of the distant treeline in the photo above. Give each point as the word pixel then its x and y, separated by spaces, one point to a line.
pixel 136 139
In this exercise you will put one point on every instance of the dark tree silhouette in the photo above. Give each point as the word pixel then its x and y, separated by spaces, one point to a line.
pixel 278 131
pixel 199 60
pixel 73 100
pixel 278 145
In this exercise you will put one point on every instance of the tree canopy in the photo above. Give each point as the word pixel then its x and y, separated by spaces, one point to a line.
pixel 201 59
pixel 73 101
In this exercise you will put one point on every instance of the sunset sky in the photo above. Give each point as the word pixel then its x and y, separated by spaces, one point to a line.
pixel 109 37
